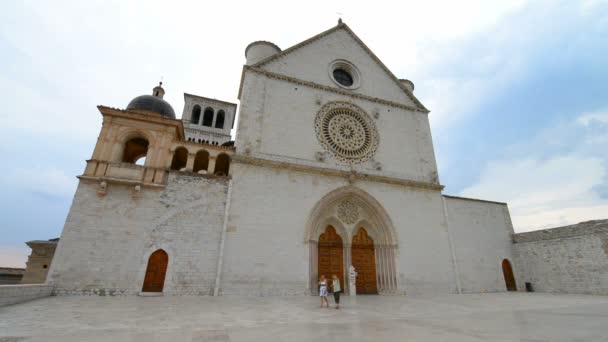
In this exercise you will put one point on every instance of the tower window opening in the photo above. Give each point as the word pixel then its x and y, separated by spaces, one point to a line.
pixel 219 121
pixel 222 165
pixel 201 161
pixel 196 115
pixel 134 150
pixel 208 117
pixel 180 159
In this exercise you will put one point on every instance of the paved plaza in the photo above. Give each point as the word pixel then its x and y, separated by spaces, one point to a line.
pixel 477 317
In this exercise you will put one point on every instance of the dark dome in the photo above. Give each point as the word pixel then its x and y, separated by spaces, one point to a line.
pixel 153 104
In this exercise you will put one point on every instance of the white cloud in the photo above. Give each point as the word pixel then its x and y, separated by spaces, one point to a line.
pixel 49 181
pixel 547 186
pixel 600 117
pixel 13 256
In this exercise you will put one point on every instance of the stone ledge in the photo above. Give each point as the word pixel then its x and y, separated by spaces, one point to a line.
pixel 13 294
pixel 579 229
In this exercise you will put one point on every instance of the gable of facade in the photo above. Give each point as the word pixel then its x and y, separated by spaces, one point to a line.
pixel 293 109
pixel 314 60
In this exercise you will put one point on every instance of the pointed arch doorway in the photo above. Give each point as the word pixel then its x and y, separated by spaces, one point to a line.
pixel 154 281
pixel 364 261
pixel 346 210
pixel 330 255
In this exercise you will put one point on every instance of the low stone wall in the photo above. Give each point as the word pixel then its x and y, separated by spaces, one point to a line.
pixel 570 259
pixel 13 294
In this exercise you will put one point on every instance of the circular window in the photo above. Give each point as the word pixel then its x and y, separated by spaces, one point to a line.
pixel 346 131
pixel 344 74
pixel 343 77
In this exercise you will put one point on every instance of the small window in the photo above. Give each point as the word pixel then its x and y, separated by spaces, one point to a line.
pixel 196 115
pixel 208 117
pixel 219 122
pixel 343 77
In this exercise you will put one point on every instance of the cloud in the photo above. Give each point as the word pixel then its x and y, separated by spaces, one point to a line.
pixel 47 181
pixel 551 180
pixel 600 117
pixel 11 256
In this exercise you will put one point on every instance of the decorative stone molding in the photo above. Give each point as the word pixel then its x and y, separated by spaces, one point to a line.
pixel 136 194
pixel 342 92
pixel 347 131
pixel 419 106
pixel 347 211
pixel 242 159
pixel 103 189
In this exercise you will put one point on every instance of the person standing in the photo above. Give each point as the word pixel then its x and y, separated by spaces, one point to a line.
pixel 323 290
pixel 335 285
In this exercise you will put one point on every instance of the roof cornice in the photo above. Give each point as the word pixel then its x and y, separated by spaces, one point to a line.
pixel 410 95
pixel 143 116
pixel 275 164
pixel 314 85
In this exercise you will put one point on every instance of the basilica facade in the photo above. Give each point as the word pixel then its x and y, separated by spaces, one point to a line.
pixel 332 166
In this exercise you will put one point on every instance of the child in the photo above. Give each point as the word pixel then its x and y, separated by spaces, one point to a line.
pixel 323 290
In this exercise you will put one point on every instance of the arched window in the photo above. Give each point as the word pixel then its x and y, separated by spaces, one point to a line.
pixel 219 122
pixel 208 117
pixel 196 115
pixel 222 164
pixel 135 149
pixel 180 158
pixel 201 161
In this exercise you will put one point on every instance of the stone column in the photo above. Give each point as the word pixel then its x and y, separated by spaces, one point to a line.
pixel 211 165
pixel 313 258
pixel 190 162
pixel 379 273
pixel 391 258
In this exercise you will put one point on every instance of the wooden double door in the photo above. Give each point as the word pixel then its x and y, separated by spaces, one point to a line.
pixel 331 259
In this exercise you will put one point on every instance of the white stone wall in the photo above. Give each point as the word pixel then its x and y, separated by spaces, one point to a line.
pixel 312 63
pixel 13 294
pixel 572 259
pixel 106 241
pixel 277 120
pixel 481 237
pixel 266 252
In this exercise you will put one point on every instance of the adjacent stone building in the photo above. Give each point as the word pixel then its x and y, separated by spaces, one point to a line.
pixel 39 261
pixel 570 259
pixel 333 165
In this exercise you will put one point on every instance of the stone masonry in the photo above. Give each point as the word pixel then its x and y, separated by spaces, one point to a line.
pixel 570 259
pixel 110 238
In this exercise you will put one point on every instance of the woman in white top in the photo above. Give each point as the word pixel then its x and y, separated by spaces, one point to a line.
pixel 323 290
pixel 335 286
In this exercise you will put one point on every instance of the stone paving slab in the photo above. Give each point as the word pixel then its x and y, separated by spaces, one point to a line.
pixel 477 317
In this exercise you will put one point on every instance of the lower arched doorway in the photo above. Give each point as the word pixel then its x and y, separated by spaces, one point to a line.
pixel 330 254
pixel 154 281
pixel 364 261
pixel 507 272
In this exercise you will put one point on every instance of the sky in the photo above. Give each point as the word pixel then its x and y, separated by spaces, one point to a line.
pixel 517 90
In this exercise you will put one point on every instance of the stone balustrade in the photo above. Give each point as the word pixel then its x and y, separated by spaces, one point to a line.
pixel 125 172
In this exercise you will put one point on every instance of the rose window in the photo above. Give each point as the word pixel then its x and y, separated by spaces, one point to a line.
pixel 347 131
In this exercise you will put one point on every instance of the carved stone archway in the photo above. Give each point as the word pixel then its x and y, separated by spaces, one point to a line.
pixel 347 209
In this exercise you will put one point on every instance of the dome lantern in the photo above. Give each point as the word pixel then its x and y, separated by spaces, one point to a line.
pixel 153 103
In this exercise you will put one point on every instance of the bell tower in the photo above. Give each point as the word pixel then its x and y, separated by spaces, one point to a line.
pixel 206 120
